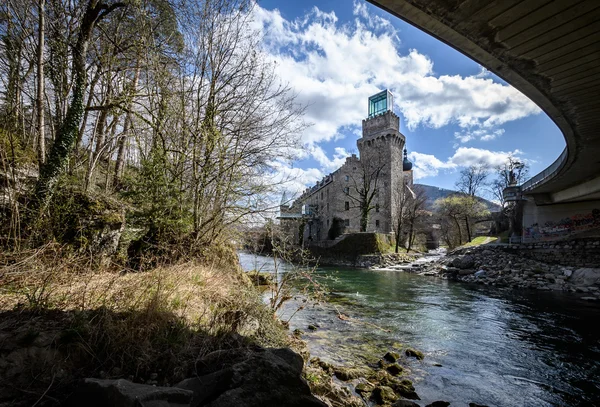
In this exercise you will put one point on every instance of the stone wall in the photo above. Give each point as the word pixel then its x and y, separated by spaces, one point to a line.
pixel 578 252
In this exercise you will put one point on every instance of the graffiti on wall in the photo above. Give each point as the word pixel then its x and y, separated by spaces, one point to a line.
pixel 564 227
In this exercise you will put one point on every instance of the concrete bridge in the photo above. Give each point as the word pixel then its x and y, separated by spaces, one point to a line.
pixel 550 51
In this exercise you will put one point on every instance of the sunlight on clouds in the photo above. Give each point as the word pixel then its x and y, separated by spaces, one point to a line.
pixel 427 165
pixel 334 67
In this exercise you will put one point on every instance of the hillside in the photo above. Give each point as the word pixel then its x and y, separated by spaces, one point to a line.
pixel 434 193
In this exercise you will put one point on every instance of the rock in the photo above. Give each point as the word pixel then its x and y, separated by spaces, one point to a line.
pixel 465 272
pixel 123 393
pixel 345 374
pixel 245 378
pixel 480 274
pixel 463 262
pixel 589 298
pixel 438 404
pixel 405 388
pixel 404 403
pixel 585 276
pixel 312 327
pixel 476 405
pixel 391 356
pixel 394 369
pixel 383 395
pixel 364 387
pixel 414 353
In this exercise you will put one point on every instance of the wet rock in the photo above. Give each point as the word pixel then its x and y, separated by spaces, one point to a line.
pixel 438 404
pixel 383 394
pixel 312 327
pixel 394 369
pixel 364 387
pixel 391 356
pixel 345 373
pixel 406 389
pixel 123 393
pixel 476 405
pixel 414 353
pixel 404 403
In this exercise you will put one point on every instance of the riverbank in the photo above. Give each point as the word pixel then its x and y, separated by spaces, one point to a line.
pixel 482 344
pixel 75 333
pixel 504 267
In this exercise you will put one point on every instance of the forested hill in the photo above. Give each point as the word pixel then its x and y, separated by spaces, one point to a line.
pixel 434 193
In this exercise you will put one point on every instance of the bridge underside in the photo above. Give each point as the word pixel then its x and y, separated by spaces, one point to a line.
pixel 550 51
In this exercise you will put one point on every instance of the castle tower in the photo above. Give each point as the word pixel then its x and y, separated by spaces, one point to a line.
pixel 381 148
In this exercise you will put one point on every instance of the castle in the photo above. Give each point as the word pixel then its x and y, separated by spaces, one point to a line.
pixel 364 194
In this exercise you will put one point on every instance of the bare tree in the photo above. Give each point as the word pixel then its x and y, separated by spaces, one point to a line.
pixel 40 85
pixel 364 189
pixel 513 172
pixel 69 130
pixel 472 179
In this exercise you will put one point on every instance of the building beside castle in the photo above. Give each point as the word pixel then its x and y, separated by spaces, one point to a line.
pixel 364 194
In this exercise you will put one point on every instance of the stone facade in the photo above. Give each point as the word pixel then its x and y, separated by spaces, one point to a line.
pixel 378 170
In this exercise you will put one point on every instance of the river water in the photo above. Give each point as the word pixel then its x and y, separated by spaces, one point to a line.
pixel 488 345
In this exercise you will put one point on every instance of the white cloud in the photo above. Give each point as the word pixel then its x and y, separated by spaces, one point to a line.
pixel 427 165
pixel 329 165
pixel 294 180
pixel 334 67
pixel 482 134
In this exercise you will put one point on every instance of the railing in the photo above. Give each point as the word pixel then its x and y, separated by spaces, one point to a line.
pixel 547 173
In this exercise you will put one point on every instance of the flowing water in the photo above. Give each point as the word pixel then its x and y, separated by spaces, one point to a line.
pixel 488 345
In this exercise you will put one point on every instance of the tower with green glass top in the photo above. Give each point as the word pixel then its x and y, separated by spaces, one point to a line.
pixel 380 148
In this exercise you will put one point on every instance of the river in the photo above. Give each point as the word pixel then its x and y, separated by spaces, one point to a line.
pixel 488 345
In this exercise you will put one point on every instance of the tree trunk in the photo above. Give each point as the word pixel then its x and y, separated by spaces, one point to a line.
pixel 468 228
pixel 40 86
pixel 69 129
pixel 120 161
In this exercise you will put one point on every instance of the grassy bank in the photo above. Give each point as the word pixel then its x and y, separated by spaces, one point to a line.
pixel 64 318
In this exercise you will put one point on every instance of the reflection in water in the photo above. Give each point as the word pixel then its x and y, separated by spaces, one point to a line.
pixel 496 346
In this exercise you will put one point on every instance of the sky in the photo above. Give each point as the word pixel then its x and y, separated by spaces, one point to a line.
pixel 453 112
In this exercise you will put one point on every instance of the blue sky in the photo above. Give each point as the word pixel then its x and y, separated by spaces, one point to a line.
pixel 454 113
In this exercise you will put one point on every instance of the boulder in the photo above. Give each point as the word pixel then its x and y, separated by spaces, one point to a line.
pixel 414 353
pixel 585 276
pixel 463 262
pixel 391 356
pixel 383 395
pixel 262 377
pixel 123 393
pixel 438 403
pixel 394 369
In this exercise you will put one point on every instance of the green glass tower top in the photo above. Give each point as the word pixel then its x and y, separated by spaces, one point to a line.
pixel 381 103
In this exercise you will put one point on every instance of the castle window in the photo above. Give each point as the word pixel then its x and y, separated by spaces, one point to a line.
pixel 347 178
pixel 321 194
pixel 327 222
pixel 347 191
pixel 346 222
pixel 327 206
pixel 377 223
pixel 347 205
pixel 377 209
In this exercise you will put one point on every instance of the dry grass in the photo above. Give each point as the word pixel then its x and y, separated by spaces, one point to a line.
pixel 63 318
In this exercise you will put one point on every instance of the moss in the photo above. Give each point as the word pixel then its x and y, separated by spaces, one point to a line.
pixel 391 356
pixel 414 353
pixel 383 395
pixel 394 369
